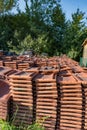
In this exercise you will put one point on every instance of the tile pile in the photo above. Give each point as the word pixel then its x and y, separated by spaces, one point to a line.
pixel 46 102
pixel 70 100
pixel 4 100
pixel 21 92
pixel 50 89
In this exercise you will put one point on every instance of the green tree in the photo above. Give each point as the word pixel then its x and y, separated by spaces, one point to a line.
pixel 42 27
pixel 74 35
pixel 6 5
pixel 39 44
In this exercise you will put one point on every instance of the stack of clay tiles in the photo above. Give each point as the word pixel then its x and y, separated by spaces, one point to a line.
pixel 1 63
pixel 4 71
pixel 53 62
pixel 32 69
pixel 8 58
pixel 69 102
pixel 22 96
pixel 11 64
pixel 22 57
pixel 46 99
pixel 31 62
pixel 48 69
pixel 55 90
pixel 4 99
pixel 42 62
pixel 23 65
pixel 82 76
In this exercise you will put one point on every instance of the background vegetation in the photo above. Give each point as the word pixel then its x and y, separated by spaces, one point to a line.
pixel 42 27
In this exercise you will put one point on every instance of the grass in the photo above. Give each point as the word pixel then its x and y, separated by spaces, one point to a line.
pixel 7 126
pixel 38 125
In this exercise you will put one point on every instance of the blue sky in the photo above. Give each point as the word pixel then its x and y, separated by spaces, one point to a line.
pixel 68 6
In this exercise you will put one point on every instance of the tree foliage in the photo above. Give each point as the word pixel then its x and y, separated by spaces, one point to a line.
pixel 6 5
pixel 42 27
pixel 74 35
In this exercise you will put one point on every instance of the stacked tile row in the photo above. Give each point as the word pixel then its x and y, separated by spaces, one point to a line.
pixel 46 99
pixel 83 79
pixel 22 66
pixel 22 97
pixel 11 64
pixel 70 100
pixel 53 92
pixel 4 100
